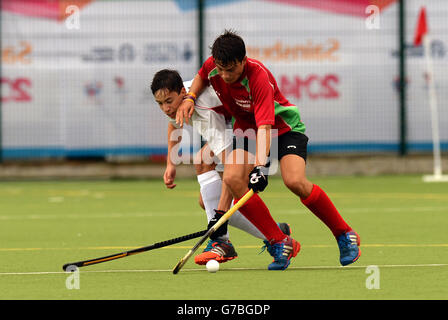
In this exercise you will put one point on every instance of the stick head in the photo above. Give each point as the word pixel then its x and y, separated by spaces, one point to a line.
pixel 70 267
pixel 182 262
pixel 222 220
pixel 178 267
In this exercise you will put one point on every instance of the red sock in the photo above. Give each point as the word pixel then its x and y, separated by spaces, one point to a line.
pixel 319 203
pixel 256 212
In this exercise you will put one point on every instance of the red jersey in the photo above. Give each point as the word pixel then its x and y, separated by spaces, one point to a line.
pixel 254 99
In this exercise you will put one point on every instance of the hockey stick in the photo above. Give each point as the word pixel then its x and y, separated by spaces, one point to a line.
pixel 219 223
pixel 134 251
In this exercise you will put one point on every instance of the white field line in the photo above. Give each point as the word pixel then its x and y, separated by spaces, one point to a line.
pixel 189 213
pixel 431 265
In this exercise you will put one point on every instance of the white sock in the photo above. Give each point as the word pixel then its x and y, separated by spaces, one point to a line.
pixel 211 184
pixel 239 221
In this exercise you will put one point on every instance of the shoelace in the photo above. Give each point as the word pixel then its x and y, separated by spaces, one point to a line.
pixel 267 246
pixel 263 248
pixel 345 242
pixel 212 244
pixel 277 251
pixel 274 250
pixel 209 245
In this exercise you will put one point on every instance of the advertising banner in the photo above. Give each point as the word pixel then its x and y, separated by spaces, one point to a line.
pixel 76 74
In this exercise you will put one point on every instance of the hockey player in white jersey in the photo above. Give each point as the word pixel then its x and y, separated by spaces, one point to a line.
pixel 211 122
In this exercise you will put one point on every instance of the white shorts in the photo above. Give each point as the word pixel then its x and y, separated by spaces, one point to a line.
pixel 213 128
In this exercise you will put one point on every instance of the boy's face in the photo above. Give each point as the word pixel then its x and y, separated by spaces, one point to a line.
pixel 230 73
pixel 169 101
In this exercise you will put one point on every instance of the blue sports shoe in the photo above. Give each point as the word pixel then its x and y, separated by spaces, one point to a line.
pixel 349 243
pixel 286 229
pixel 282 252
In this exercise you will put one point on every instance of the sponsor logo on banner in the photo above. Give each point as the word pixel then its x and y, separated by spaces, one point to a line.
pixel 120 89
pixel 17 54
pixel 15 90
pixel 308 51
pixel 99 54
pixel 124 53
pixel 150 53
pixel 312 86
pixel 93 90
pixel 438 50
pixel 167 52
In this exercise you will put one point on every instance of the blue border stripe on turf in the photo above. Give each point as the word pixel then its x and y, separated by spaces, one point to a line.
pixel 46 152
pixel 321 148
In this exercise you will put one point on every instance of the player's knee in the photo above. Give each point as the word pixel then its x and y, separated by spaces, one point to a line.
pixel 198 168
pixel 300 186
pixel 201 168
pixel 232 180
pixel 197 159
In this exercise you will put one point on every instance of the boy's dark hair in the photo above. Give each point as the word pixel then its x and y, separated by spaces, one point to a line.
pixel 167 79
pixel 228 48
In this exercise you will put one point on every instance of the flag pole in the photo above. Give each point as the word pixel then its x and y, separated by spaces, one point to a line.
pixel 437 175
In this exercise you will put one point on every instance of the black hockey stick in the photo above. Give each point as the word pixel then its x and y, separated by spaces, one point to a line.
pixel 134 251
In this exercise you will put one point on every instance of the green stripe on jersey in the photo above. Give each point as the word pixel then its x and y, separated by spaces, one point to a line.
pixel 213 73
pixel 291 116
pixel 245 84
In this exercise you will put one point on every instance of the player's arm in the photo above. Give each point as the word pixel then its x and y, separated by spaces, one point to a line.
pixel 264 113
pixel 170 171
pixel 198 85
pixel 263 145
pixel 258 177
pixel 186 108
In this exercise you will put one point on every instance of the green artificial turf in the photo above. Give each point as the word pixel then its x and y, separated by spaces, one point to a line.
pixel 402 222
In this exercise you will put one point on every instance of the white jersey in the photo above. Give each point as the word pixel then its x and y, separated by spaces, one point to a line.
pixel 211 125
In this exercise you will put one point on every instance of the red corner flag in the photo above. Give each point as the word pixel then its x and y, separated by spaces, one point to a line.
pixel 422 27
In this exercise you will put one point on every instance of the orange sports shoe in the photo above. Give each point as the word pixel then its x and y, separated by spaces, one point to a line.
pixel 221 251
